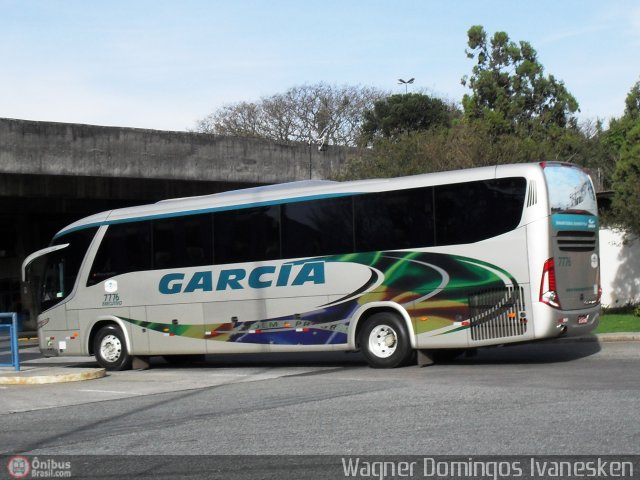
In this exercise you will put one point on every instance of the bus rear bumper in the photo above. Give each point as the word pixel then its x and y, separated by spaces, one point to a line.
pixel 570 323
pixel 581 324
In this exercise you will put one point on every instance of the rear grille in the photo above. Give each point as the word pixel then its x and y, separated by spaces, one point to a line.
pixel 570 241
pixel 496 313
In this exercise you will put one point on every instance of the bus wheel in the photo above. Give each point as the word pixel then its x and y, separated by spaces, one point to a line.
pixel 110 349
pixel 384 341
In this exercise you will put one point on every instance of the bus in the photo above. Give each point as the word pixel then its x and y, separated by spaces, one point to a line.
pixel 425 266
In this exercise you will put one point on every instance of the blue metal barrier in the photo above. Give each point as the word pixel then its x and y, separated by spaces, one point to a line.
pixel 12 328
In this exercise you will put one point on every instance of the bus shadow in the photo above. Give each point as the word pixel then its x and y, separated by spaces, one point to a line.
pixel 27 356
pixel 542 352
pixel 254 360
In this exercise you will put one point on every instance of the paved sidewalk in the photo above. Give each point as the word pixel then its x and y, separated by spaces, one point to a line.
pixel 36 369
pixel 34 375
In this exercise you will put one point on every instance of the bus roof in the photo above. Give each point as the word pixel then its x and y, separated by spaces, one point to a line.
pixel 290 192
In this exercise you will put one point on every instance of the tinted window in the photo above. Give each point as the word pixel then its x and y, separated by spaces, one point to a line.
pixel 320 227
pixel 250 234
pixel 474 211
pixel 125 247
pixel 394 220
pixel 182 242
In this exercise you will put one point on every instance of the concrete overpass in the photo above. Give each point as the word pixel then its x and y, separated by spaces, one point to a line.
pixel 54 173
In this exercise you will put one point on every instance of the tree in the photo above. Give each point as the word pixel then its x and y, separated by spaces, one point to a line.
pixel 626 200
pixel 463 145
pixel 632 102
pixel 509 90
pixel 401 114
pixel 321 114
pixel 514 113
pixel 624 134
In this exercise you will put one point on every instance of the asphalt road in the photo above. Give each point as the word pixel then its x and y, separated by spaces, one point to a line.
pixel 541 399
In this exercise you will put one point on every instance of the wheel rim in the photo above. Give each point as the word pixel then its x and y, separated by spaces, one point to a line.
pixel 110 348
pixel 383 341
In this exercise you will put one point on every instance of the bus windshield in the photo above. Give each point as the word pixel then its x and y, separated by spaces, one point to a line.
pixel 57 273
pixel 570 190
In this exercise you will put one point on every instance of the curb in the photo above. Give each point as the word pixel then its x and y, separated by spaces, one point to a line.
pixel 53 375
pixel 618 337
pixel 598 337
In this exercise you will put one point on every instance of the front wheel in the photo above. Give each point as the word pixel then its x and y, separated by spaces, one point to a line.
pixel 110 349
pixel 384 341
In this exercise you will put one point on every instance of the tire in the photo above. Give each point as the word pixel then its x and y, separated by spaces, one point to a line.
pixel 110 349
pixel 384 341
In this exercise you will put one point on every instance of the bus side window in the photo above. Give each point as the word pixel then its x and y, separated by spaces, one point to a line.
pixel 181 242
pixel 319 227
pixel 394 220
pixel 125 247
pixel 246 235
pixel 474 211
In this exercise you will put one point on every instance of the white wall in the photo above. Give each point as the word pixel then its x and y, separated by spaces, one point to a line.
pixel 619 269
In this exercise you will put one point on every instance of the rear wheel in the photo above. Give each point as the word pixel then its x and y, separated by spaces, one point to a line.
pixel 384 341
pixel 110 349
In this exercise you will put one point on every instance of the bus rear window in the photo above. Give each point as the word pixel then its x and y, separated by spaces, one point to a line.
pixel 570 190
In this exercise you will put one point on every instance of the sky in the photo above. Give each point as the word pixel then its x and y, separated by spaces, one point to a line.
pixel 165 65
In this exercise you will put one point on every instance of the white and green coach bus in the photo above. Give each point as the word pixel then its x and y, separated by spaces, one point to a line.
pixel 435 263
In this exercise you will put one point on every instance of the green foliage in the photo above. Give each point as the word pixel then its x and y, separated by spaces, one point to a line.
pixel 632 102
pixel 618 323
pixel 468 144
pixel 622 140
pixel 400 114
pixel 619 128
pixel 463 145
pixel 626 181
pixel 509 91
pixel 514 113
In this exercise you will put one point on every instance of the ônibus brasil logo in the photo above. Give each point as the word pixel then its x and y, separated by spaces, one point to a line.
pixel 19 467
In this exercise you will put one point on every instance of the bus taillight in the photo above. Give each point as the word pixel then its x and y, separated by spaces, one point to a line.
pixel 548 292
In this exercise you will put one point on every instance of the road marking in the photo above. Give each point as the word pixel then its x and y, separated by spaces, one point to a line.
pixel 110 391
